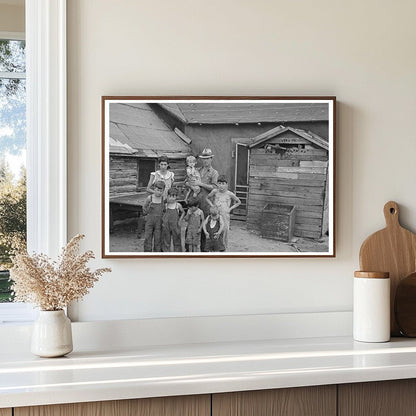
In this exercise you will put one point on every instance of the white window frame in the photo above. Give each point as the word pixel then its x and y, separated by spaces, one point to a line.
pixel 46 134
pixel 15 312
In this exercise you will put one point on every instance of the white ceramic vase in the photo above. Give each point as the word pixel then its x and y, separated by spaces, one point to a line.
pixel 52 334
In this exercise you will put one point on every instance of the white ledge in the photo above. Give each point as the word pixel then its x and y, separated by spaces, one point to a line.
pixel 169 370
pixel 185 330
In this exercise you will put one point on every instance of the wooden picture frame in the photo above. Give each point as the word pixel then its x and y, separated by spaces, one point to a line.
pixel 274 155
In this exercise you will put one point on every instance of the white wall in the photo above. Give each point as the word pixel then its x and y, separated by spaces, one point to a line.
pixel 361 51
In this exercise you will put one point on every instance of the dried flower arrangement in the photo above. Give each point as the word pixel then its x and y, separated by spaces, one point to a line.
pixel 53 285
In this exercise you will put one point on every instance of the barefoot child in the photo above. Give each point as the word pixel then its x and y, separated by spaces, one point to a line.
pixel 170 222
pixel 194 218
pixel 153 210
pixel 213 227
pixel 223 199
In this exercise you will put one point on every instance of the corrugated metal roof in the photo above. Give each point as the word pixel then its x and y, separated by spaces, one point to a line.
pixel 122 148
pixel 231 113
pixel 174 110
pixel 137 126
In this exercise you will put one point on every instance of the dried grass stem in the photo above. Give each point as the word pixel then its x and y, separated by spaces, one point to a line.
pixel 53 285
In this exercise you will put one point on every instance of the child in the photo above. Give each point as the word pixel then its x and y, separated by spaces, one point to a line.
pixel 192 174
pixel 195 219
pixel 223 199
pixel 213 227
pixel 170 222
pixel 153 210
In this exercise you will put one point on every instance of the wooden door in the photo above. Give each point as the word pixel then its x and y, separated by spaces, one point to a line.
pixel 5 412
pixel 300 401
pixel 381 398
pixel 160 406
pixel 241 180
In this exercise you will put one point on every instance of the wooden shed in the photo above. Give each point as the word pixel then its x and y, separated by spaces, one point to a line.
pixel 289 166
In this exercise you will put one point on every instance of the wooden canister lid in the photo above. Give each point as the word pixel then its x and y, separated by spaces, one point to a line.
pixel 372 275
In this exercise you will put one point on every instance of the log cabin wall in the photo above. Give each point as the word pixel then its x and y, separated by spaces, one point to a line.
pixel 123 175
pixel 178 167
pixel 298 177
pixel 124 171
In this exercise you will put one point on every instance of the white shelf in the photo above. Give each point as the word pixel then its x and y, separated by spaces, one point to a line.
pixel 151 371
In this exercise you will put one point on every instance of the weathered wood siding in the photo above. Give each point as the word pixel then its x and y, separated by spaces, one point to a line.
pixel 219 137
pixel 298 177
pixel 124 171
pixel 178 167
pixel 123 175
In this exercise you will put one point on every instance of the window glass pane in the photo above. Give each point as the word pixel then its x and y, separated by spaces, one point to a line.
pixel 12 157
pixel 13 122
pixel 12 56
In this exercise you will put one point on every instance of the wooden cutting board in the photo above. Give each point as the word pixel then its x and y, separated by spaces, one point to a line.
pixel 393 250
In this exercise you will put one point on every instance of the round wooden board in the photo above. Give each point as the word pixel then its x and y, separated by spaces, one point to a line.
pixel 393 250
pixel 405 306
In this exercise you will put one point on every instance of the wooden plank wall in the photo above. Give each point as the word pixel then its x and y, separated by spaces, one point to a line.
pixel 123 175
pixel 298 177
pixel 178 167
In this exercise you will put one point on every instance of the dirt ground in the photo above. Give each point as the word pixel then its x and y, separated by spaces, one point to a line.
pixel 125 239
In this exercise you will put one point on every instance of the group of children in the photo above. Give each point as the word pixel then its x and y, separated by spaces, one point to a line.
pixel 167 223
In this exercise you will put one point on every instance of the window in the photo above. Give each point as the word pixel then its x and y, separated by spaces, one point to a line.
pixel 12 155
pixel 46 135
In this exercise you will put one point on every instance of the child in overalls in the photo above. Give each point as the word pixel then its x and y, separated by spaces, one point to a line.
pixel 153 210
pixel 194 218
pixel 213 227
pixel 170 222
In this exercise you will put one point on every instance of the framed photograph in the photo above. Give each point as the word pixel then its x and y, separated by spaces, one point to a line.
pixel 218 177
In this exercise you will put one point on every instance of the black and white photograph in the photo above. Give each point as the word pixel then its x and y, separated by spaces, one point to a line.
pixel 218 176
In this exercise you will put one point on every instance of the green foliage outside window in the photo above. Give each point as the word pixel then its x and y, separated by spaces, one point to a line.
pixel 12 146
pixel 12 223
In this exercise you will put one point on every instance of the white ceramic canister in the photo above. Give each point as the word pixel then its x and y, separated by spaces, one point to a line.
pixel 371 310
